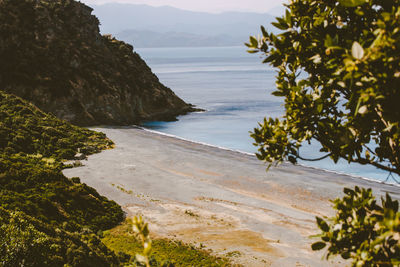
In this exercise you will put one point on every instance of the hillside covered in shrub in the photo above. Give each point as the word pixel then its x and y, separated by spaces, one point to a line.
pixel 54 56
pixel 47 219
pixel 25 128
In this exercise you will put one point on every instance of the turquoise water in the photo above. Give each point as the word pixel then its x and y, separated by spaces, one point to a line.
pixel 235 90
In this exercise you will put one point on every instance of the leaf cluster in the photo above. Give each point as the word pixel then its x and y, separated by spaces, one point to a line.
pixel 338 71
pixel 362 230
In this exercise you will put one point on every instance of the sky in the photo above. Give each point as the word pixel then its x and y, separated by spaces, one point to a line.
pixel 214 6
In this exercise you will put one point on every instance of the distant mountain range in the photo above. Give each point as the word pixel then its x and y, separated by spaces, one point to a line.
pixel 147 26
pixel 143 38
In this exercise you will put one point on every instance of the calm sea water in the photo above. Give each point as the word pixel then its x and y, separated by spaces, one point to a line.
pixel 235 89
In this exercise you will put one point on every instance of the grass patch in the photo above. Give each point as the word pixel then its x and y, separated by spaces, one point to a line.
pixel 121 239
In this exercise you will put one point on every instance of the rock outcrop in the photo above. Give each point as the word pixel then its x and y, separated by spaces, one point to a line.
pixel 53 55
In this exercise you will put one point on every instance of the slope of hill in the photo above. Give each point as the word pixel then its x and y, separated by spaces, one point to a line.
pixel 47 219
pixel 196 28
pixel 53 55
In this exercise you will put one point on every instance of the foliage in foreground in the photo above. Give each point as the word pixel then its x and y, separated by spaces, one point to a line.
pixel 362 230
pixel 123 239
pixel 47 219
pixel 338 71
pixel 338 63
pixel 141 229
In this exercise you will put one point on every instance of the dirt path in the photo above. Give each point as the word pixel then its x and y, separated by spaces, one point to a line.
pixel 216 198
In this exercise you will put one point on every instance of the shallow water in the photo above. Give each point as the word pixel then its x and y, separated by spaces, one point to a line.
pixel 235 89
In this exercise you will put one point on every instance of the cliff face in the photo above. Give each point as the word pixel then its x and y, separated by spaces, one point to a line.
pixel 53 55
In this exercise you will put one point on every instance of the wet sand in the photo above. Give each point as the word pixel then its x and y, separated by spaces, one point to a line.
pixel 220 199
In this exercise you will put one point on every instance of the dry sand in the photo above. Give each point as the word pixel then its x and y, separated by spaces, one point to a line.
pixel 219 199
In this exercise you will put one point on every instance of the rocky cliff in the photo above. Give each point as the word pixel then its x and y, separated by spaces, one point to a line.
pixel 53 55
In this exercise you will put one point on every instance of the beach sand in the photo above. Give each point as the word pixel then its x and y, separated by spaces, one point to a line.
pixel 220 199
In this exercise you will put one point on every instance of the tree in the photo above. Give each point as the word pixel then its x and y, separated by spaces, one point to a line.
pixel 338 67
pixel 339 72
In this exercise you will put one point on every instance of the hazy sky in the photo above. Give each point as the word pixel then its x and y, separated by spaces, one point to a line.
pixel 204 5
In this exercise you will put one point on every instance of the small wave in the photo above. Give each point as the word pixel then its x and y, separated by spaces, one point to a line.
pixel 253 155
pixel 210 69
pixel 195 142
pixel 350 175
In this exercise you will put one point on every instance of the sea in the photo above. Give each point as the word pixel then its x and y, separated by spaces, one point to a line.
pixel 234 88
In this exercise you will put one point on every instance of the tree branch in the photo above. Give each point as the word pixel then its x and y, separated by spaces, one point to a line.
pixel 321 158
pixel 376 164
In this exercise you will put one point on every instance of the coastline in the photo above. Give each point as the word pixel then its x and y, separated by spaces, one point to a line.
pixel 219 198
pixel 252 154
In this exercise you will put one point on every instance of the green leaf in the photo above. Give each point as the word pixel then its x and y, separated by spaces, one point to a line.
pixel 264 32
pixel 140 258
pixel 279 26
pixel 348 191
pixel 253 42
pixel 320 107
pixel 316 59
pixel 357 51
pixel 322 224
pixel 345 255
pixel 363 110
pixel 328 41
pixel 318 245
pixel 252 51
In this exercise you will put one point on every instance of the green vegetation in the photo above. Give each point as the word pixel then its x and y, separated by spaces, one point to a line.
pixel 25 241
pixel 164 252
pixel 141 229
pixel 363 230
pixel 28 130
pixel 33 186
pixel 339 73
pixel 338 70
pixel 54 56
pixel 47 219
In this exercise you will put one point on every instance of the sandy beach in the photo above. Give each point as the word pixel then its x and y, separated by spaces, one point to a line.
pixel 219 199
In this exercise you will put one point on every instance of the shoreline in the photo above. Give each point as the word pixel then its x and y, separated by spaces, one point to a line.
pixel 221 199
pixel 253 155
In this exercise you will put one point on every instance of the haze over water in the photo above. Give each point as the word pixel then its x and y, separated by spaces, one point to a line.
pixel 235 89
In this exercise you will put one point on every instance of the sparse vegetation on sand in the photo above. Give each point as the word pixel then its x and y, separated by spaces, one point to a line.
pixel 121 239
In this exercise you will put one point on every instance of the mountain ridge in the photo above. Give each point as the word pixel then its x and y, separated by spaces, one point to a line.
pixel 207 29
pixel 55 57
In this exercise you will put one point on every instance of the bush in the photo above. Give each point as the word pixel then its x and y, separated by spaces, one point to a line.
pixel 25 241
pixel 47 219
pixel 362 230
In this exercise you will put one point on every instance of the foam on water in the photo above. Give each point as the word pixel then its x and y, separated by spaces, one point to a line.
pixel 253 155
